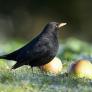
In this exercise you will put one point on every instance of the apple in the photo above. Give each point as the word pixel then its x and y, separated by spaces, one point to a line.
pixel 82 69
pixel 53 67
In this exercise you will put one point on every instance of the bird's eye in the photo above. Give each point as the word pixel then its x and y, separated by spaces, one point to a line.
pixel 57 26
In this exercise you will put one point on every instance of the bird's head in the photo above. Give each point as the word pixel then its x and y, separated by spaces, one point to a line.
pixel 54 26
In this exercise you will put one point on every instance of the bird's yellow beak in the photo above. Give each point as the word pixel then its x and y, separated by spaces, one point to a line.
pixel 61 25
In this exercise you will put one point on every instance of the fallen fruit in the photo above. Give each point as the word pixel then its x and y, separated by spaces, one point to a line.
pixel 82 69
pixel 53 67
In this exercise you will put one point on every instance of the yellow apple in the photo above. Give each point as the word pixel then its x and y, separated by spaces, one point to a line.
pixel 82 69
pixel 53 67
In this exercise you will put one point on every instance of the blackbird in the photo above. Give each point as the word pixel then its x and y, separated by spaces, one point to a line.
pixel 41 50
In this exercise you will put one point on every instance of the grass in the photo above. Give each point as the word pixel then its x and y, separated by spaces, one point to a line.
pixel 24 79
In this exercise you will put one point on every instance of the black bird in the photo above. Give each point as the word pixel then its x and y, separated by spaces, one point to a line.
pixel 41 50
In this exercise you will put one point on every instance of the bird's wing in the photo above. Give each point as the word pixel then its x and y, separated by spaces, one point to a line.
pixel 35 49
pixel 38 49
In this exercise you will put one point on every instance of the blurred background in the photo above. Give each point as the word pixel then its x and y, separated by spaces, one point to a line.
pixel 21 20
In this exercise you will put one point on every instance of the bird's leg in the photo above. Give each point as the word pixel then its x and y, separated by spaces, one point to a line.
pixel 32 71
pixel 38 70
pixel 41 71
pixel 13 71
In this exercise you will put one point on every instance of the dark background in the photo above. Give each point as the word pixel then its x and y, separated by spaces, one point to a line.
pixel 24 19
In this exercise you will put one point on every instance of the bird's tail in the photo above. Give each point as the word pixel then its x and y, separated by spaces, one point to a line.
pixel 10 56
pixel 3 57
